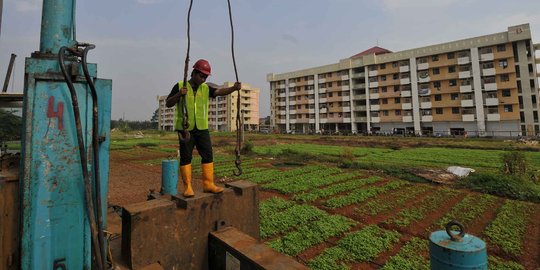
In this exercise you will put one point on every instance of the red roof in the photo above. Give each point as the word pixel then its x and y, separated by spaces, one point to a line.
pixel 374 50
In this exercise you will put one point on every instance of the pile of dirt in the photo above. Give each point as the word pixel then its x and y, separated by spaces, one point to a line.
pixel 436 175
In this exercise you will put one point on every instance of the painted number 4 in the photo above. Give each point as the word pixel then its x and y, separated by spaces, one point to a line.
pixel 58 114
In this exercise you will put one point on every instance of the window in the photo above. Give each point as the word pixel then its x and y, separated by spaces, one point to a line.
pixel 383 78
pixel 451 69
pixel 384 89
pixel 437 84
pixel 394 64
pixel 455 110
pixel 395 76
pixel 450 55
pixel 436 71
pixel 438 97
pixel 398 112
pixel 452 83
pixel 384 101
pixel 382 66
pixel 533 98
pixel 435 58
pixel 438 110
pixel 506 93
pixel 397 100
pixel 396 88
pixel 501 48
pixel 454 96
pixel 505 78
pixel 508 108
pixel 503 63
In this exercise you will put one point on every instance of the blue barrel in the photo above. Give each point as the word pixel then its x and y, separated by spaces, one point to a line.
pixel 451 249
pixel 169 176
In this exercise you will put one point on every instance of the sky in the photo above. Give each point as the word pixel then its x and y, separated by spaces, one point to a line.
pixel 141 44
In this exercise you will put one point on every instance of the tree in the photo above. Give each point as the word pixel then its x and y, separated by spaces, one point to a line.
pixel 10 125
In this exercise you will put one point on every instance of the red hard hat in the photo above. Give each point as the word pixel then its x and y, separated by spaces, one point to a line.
pixel 203 66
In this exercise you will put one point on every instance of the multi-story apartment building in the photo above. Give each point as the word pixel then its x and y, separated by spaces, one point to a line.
pixel 222 112
pixel 482 86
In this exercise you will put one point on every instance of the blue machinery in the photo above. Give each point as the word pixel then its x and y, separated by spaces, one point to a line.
pixel 64 172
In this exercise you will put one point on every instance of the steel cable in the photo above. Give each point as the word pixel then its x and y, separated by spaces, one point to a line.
pixel 239 125
pixel 184 135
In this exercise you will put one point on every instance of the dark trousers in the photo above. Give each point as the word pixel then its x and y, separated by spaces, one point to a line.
pixel 199 139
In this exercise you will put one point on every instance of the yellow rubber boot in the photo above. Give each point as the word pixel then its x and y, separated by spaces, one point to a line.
pixel 208 179
pixel 185 171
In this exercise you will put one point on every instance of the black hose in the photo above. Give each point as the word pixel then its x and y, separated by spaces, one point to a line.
pixel 96 248
pixel 239 126
pixel 95 150
pixel 184 134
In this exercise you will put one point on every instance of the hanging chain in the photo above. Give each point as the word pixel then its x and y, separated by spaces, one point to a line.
pixel 184 134
pixel 239 126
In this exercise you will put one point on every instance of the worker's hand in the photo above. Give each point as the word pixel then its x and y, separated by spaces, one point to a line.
pixel 237 86
pixel 183 91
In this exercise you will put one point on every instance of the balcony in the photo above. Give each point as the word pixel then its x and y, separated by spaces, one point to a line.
pixel 374 95
pixel 467 118
pixel 407 119
pixel 424 92
pixel 467 103
pixel 344 77
pixel 493 117
pixel 374 107
pixel 490 86
pixel 373 84
pixel 360 107
pixel 488 72
pixel 323 110
pixel 281 94
pixel 404 69
pixel 375 119
pixel 323 120
pixel 291 102
pixel 323 100
pixel 463 60
pixel 427 118
pixel 486 57
pixel 346 109
pixel 312 121
pixel 292 111
pixel 372 73
pixel 405 93
pixel 425 105
pixel 405 81
pixel 360 119
pixel 281 86
pixel 311 111
pixel 282 112
pixel 345 88
pixel 492 101
pixel 311 92
pixel 359 85
pixel 310 82
pixel 292 121
pixel 346 98
pixel 423 66
pixel 322 80
pixel 465 74
pixel 346 120
pixel 465 88
pixel 359 97
pixel 282 103
pixel 406 106
pixel 359 75
pixel 322 90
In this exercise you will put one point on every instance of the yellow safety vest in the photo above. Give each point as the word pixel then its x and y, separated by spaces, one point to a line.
pixel 197 107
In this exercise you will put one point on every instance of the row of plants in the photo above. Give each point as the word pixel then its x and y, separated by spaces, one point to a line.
pixel 398 198
pixel 508 229
pixel 308 235
pixel 276 175
pixel 468 209
pixel 410 256
pixel 306 181
pixel 362 194
pixel 316 194
pixel 496 263
pixel 429 203
pixel 360 246
pixel 280 221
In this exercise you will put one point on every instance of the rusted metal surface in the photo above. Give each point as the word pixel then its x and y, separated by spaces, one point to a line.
pixel 174 231
pixel 232 249
pixel 9 212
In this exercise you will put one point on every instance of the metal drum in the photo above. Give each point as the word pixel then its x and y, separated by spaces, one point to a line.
pixel 451 249
pixel 169 176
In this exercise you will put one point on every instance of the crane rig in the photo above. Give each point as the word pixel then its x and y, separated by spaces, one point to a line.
pixel 53 195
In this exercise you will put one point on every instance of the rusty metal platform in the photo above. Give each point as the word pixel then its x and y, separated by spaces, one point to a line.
pixel 173 231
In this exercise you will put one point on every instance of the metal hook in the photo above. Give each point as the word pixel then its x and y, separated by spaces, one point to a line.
pixel 237 162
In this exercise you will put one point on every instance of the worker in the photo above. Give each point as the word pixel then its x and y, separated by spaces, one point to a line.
pixel 197 94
